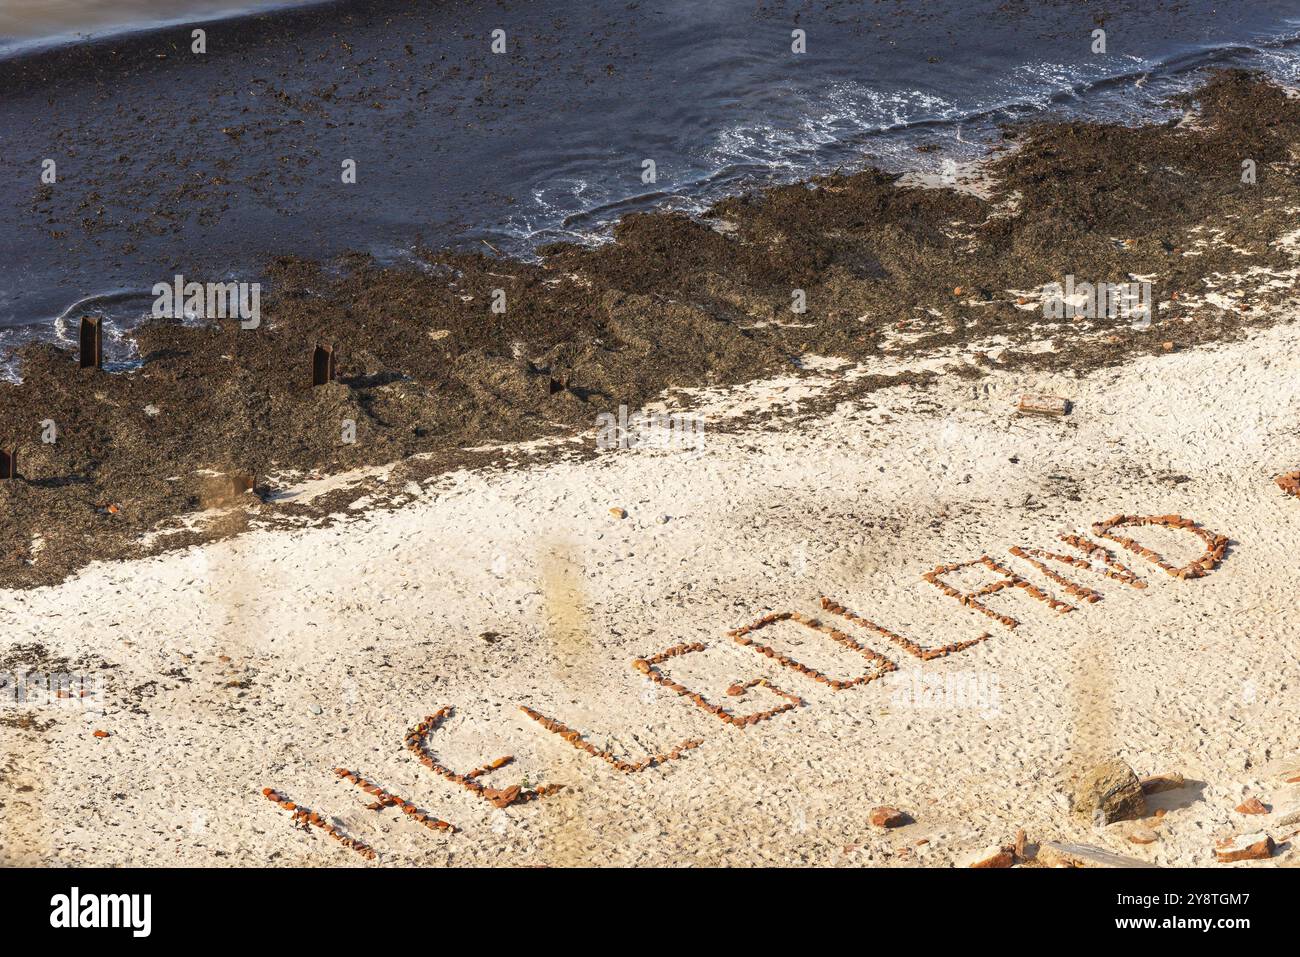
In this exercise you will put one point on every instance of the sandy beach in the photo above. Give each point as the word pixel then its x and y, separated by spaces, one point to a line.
pixel 270 659
pixel 843 521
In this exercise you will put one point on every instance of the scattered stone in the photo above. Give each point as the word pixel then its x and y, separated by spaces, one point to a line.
pixel 491 637
pixel 101 734
pixel 314 708
pixel 1110 793
pixel 1155 783
pixel 992 856
pixel 618 512
pixel 503 798
pixel 1036 403
pixel 1252 805
pixel 151 410
pixel 1084 855
pixel 1244 847
pixel 1167 346
pixel 1143 835
pixel 885 816
pixel 662 519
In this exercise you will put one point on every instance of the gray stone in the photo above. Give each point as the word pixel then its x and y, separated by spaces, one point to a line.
pixel 1084 855
pixel 1109 793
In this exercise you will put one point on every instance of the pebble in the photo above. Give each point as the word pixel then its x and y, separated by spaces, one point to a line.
pixel 1252 805
pixel 885 816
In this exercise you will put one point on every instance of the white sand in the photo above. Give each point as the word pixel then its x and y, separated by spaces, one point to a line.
pixel 376 621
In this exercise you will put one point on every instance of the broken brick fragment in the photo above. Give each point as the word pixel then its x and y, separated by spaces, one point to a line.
pixel 1244 847
pixel 885 816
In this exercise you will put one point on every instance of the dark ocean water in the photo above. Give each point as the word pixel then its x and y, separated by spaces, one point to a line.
pixel 211 166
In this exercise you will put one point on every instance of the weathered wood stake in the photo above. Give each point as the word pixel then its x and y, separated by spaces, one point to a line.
pixel 92 343
pixel 8 463
pixel 322 365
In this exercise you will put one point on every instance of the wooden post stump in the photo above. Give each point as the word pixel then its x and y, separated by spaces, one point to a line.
pixel 322 365
pixel 92 343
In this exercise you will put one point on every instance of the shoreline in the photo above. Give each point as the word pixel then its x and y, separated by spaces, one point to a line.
pixel 431 375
